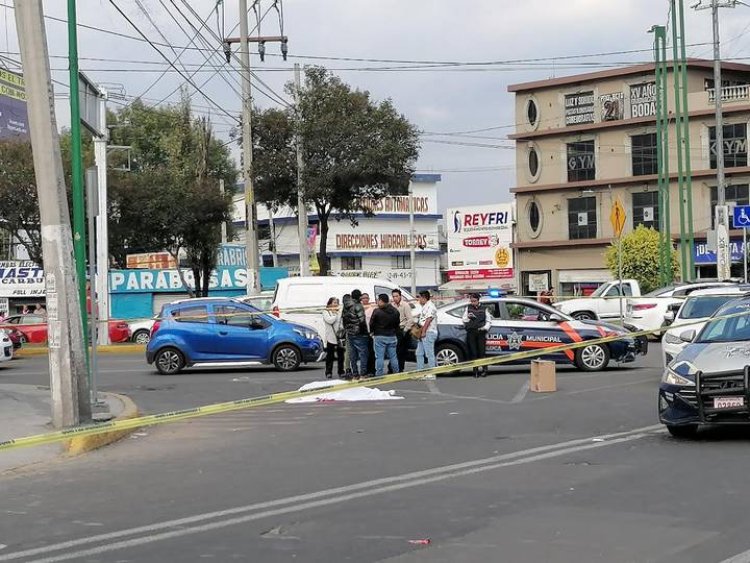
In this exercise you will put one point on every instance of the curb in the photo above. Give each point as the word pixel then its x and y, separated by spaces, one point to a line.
pixel 83 444
pixel 134 349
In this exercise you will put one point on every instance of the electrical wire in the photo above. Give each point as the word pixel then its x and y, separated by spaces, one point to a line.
pixel 156 48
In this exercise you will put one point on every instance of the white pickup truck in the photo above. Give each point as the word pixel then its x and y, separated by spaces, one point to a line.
pixel 604 303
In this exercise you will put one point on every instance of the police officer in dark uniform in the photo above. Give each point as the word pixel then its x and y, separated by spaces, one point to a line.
pixel 476 324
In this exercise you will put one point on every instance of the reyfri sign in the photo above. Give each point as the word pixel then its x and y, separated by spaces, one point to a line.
pixel 479 240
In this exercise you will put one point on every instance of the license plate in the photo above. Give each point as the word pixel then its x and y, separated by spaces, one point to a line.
pixel 728 402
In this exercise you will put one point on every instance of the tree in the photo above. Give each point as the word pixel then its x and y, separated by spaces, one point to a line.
pixel 19 208
pixel 353 148
pixel 171 199
pixel 640 258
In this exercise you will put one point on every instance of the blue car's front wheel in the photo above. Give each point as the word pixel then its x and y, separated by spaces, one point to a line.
pixel 169 361
pixel 286 358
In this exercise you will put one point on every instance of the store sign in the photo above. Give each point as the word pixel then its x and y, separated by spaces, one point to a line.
pixel 21 279
pixel 538 282
pixel 155 260
pixel 579 108
pixel 382 241
pixel 479 240
pixel 398 204
pixel 14 120
pixel 400 277
pixel 169 281
pixel 232 255
pixel 643 100
pixel 703 255
pixel 613 106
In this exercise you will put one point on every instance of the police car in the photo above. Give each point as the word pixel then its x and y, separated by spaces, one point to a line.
pixel 519 324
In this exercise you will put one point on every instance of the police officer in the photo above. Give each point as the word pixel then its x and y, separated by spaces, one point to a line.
pixel 476 324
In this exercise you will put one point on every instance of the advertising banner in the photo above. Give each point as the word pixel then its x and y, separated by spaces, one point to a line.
pixel 14 121
pixel 479 240
pixel 21 279
pixel 579 108
pixel 643 100
pixel 154 260
pixel 702 254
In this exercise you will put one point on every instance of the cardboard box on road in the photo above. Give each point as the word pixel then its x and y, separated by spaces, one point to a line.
pixel 543 378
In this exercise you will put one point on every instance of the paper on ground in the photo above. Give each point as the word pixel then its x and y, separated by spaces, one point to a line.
pixel 345 395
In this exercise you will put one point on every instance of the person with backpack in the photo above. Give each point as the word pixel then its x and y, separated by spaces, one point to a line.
pixel 355 327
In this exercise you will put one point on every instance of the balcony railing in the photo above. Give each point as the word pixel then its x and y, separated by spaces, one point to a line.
pixel 730 93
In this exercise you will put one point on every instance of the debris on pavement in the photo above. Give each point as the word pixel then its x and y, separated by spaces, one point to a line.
pixel 345 395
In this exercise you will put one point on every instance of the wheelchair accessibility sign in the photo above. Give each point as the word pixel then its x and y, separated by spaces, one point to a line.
pixel 741 217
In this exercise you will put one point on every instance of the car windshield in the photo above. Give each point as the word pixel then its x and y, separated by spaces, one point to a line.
pixel 731 325
pixel 703 306
pixel 660 291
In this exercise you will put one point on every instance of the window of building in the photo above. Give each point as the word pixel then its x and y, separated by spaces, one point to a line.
pixel 644 154
pixel 351 262
pixel 581 161
pixel 400 262
pixel 646 209
pixel 582 217
pixel 532 112
pixel 739 194
pixel 735 145
pixel 533 162
pixel 535 218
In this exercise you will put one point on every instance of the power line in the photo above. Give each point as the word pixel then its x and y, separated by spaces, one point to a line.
pixel 156 48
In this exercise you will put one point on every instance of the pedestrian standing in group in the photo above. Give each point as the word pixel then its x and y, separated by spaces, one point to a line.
pixel 477 324
pixel 369 309
pixel 428 331
pixel 355 326
pixel 347 299
pixel 384 327
pixel 333 334
pixel 406 321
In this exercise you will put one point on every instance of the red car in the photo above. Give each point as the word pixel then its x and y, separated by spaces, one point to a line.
pixel 33 329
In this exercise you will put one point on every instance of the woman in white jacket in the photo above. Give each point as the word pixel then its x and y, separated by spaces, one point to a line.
pixel 332 324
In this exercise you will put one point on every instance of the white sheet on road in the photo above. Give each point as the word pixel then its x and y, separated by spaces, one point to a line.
pixel 345 395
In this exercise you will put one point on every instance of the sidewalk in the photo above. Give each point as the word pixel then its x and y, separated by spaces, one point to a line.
pixel 25 410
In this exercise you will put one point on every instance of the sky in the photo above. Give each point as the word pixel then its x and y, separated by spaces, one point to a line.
pixel 523 39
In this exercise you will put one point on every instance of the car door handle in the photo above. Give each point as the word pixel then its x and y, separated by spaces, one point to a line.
pixel 223 332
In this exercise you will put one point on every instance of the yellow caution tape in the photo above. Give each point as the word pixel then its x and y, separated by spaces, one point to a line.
pixel 274 398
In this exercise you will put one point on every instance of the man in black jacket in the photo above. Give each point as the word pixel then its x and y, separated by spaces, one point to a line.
pixel 355 326
pixel 384 327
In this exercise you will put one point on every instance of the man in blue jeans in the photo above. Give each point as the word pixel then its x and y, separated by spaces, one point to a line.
pixel 355 326
pixel 429 333
pixel 384 327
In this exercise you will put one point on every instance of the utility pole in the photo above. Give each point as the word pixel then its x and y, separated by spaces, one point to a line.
pixel 412 242
pixel 102 224
pixel 723 253
pixel 67 364
pixel 304 258
pixel 223 224
pixel 79 209
pixel 92 196
pixel 251 234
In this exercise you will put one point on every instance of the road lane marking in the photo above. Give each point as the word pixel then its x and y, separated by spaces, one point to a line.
pixel 318 498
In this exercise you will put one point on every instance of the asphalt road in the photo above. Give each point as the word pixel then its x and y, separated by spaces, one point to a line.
pixel 482 468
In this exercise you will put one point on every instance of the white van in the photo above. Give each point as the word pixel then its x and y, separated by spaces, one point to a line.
pixel 294 295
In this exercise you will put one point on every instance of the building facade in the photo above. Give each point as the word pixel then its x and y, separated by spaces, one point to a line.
pixel 374 244
pixel 586 141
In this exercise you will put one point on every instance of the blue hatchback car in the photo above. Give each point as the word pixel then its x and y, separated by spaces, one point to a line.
pixel 222 332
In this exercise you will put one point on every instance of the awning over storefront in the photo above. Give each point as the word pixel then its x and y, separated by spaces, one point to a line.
pixel 584 276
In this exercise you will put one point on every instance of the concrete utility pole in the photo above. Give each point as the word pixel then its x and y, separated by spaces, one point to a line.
pixel 251 234
pixel 723 254
pixel 68 381
pixel 223 224
pixel 412 242
pixel 102 225
pixel 304 258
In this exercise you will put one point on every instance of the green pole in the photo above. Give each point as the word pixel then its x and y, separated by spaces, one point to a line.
pixel 688 163
pixel 79 204
pixel 662 154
